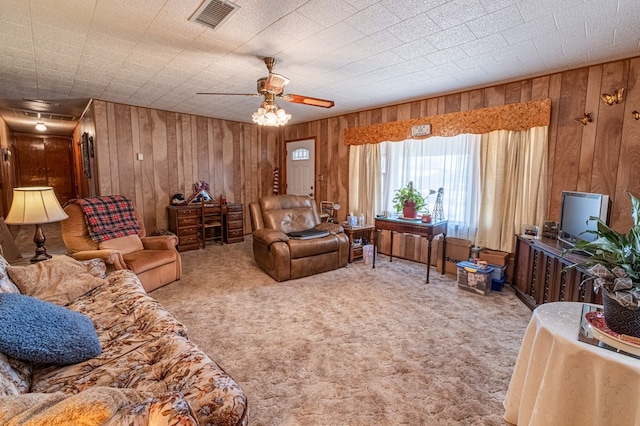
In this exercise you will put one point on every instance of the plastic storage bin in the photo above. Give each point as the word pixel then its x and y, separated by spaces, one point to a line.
pixel 496 285
pixel 475 279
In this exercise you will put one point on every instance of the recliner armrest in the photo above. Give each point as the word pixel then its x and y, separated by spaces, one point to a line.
pixel 269 236
pixel 160 242
pixel 109 256
pixel 333 228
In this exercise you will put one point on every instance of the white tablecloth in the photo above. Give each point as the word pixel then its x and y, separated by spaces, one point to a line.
pixel 560 381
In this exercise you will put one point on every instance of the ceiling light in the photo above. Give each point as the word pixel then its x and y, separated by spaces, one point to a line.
pixel 270 115
pixel 41 127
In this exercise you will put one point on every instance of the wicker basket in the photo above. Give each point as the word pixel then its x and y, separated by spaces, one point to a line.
pixel 619 318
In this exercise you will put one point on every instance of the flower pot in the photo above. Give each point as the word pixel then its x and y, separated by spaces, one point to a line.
pixel 619 318
pixel 409 209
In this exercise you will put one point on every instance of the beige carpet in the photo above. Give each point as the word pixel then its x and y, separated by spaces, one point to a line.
pixel 356 346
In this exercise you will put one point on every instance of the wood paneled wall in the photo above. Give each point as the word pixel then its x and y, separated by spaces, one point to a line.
pixel 602 156
pixel 237 159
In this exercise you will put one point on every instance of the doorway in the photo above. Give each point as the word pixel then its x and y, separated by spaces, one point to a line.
pixel 46 161
pixel 301 167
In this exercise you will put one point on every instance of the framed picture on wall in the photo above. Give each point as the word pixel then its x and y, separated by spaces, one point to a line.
pixel 85 150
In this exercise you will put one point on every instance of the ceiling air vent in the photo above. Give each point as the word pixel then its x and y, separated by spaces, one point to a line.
pixel 48 116
pixel 212 13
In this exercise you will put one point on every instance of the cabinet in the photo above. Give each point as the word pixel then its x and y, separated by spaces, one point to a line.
pixel 183 221
pixel 356 232
pixel 540 275
pixel 233 223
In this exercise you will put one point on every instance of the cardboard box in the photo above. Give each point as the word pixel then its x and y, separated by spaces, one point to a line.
pixel 472 278
pixel 457 250
pixel 494 257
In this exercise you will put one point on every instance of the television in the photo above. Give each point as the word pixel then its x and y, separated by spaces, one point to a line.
pixel 577 208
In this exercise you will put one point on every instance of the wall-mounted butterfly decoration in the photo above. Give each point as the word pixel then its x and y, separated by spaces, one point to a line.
pixel 615 98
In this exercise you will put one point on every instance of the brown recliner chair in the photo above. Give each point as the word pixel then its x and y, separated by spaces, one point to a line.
pixel 284 258
pixel 154 260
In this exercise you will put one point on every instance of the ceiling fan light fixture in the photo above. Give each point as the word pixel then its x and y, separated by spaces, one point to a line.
pixel 41 127
pixel 270 115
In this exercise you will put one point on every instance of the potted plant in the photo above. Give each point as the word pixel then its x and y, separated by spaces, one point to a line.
pixel 614 266
pixel 409 200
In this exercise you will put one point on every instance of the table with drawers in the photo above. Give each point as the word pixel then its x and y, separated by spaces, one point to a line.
pixel 183 221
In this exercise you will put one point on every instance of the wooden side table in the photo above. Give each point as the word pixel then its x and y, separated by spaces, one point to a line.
pixel 354 232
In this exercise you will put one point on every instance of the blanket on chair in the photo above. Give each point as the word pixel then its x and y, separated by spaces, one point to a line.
pixel 108 217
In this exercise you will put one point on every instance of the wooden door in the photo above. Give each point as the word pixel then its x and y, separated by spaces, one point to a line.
pixel 46 161
pixel 300 171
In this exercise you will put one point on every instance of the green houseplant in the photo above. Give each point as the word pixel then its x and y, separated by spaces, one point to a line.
pixel 614 266
pixel 409 200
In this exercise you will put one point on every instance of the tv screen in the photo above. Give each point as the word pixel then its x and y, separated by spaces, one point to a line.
pixel 577 208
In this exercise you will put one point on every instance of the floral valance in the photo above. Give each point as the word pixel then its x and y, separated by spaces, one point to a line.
pixel 520 116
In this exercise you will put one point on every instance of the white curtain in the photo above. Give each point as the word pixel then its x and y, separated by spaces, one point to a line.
pixel 452 163
pixel 364 180
pixel 514 185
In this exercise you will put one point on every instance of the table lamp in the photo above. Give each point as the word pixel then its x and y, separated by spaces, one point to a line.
pixel 35 206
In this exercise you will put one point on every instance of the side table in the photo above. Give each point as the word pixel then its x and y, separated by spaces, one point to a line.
pixel 354 232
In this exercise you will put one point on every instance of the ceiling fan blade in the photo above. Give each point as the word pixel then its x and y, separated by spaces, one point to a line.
pixel 305 100
pixel 253 95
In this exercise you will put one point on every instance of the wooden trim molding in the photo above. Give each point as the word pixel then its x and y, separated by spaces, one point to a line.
pixel 515 117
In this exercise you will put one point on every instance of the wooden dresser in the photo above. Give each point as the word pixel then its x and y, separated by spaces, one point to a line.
pixel 183 221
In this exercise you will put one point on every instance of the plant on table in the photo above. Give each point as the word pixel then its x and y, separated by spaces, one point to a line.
pixel 614 263
pixel 408 198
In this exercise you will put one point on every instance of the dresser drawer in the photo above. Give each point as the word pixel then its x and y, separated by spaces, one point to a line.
pixel 188 239
pixel 188 230
pixel 234 225
pixel 187 212
pixel 235 233
pixel 234 208
pixel 187 221
pixel 234 216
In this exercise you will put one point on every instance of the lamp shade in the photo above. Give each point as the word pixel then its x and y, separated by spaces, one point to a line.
pixel 34 206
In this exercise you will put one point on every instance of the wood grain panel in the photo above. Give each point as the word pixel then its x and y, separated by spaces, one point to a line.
pixel 113 150
pixel 124 151
pixel 160 170
pixel 554 86
pixel 513 92
pixel 628 176
pixel 494 96
pixel 137 166
pixel 609 133
pixel 476 99
pixel 525 91
pixel 540 88
pixel 589 130
pixel 172 153
pixel 567 147
pixel 148 204
pixel 452 103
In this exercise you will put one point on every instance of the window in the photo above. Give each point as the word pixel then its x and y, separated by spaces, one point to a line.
pixel 300 154
pixel 437 162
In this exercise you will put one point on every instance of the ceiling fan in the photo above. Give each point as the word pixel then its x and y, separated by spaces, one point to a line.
pixel 272 87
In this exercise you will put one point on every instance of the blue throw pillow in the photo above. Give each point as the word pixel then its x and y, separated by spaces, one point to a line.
pixel 38 331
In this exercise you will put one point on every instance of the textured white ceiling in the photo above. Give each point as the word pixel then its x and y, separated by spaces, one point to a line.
pixel 359 53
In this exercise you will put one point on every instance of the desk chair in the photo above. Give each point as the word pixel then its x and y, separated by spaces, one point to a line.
pixel 210 222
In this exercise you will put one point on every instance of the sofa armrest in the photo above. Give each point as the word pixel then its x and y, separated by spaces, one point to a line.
pixel 109 256
pixel 333 228
pixel 269 236
pixel 160 242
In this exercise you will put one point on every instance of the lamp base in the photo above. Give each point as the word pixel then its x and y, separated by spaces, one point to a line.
pixel 41 252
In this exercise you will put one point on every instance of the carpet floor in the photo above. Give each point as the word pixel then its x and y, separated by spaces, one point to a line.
pixel 355 346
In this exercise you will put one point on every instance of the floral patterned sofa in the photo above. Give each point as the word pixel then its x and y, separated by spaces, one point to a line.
pixel 148 371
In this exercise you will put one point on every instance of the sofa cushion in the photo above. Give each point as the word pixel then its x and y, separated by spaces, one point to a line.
pixel 58 280
pixel 15 375
pixel 145 260
pixel 126 245
pixel 306 248
pixel 42 332
pixel 6 285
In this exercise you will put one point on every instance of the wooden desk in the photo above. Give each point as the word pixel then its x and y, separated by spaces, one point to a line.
pixel 411 226
pixel 183 221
